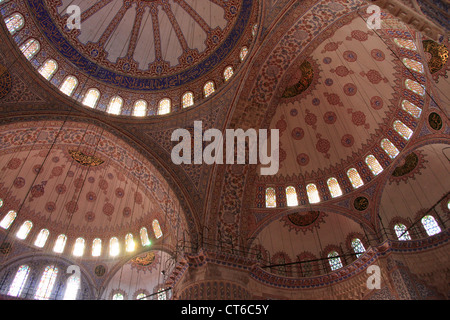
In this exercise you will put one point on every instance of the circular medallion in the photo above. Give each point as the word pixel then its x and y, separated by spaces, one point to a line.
pixel 435 121
pixel 361 203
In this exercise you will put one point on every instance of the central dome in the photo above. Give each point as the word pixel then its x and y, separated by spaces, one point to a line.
pixel 144 44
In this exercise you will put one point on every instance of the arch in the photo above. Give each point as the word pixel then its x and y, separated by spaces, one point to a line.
pixel 411 108
pixel 164 106
pixel 48 69
pixel 78 248
pixel 140 108
pixel 8 219
pixel 208 89
pixel 91 98
pixel 389 148
pixel 271 198
pixel 313 193
pixel 114 247
pixel 24 230
pixel 129 243
pixel 30 48
pixel 415 87
pixel 69 85
pixel 187 99
pixel 96 247
pixel 333 186
pixel 15 22
pixel 115 105
pixel 402 129
pixel 291 196
pixel 41 238
pixel 228 73
pixel 373 165
pixel 430 224
pixel 413 65
pixel 60 243
pixel 355 178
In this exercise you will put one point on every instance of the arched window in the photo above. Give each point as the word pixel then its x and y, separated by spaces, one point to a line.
pixel 8 219
pixel 389 148
pixel 401 232
pixel 78 248
pixel 140 108
pixel 430 225
pixel 291 196
pixel 164 106
pixel 48 69
pixel 14 23
pixel 73 285
pixel 19 281
pixel 333 186
pixel 313 193
pixel 354 178
pixel 115 105
pixel 118 296
pixel 208 89
pixel 415 87
pixel 24 230
pixel 144 237
pixel 162 294
pixel 411 108
pixel 60 243
pixel 271 198
pixel 1 203
pixel 46 284
pixel 114 247
pixel 41 238
pixel 188 99
pixel 141 296
pixel 69 85
pixel 30 48
pixel 157 229
pixel 358 247
pixel 243 53
pixel 374 165
pixel 334 260
pixel 403 43
pixel 91 98
pixel 129 243
pixel 228 73
pixel 96 247
pixel 402 129
pixel 413 65
pixel 254 30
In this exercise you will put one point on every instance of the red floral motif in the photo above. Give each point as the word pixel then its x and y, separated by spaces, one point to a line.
pixel 377 55
pixel 108 209
pixel 359 118
pixel 50 207
pixel 347 140
pixel 126 212
pixel 57 171
pixel 298 133
pixel 60 189
pixel 350 56
pixel 14 163
pixel 374 76
pixel 91 196
pixel 350 89
pixel 310 119
pixel 331 46
pixel 37 190
pixel 303 159
pixel 376 102
pixel 342 71
pixel 89 216
pixel 119 193
pixel 281 125
pixel 323 146
pixel 71 207
pixel 19 182
pixel 138 198
pixel 358 35
pixel 330 117
pixel 333 99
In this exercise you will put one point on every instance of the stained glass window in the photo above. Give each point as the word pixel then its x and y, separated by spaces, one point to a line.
pixel 413 65
pixel 271 199
pixel 411 108
pixel 430 225
pixel 162 295
pixel 78 249
pixel 69 85
pixel 60 243
pixel 19 281
pixel 24 230
pixel 358 247
pixel 140 108
pixel 115 105
pixel 291 196
pixel 403 43
pixel 46 284
pixel 334 260
pixel 8 219
pixel 389 148
pixel 402 129
pixel 118 296
pixel 114 247
pixel 415 87
pixel 141 296
pixel 144 237
pixel 157 229
pixel 48 69
pixel 188 99
pixel 129 243
pixel 14 23
pixel 91 98
pixel 41 238
pixel 1 203
pixel 401 232
pixel 313 193
pixel 243 53
pixel 30 48
pixel 333 186
pixel 254 30
pixel 374 165
pixel 164 106
pixel 96 247
pixel 208 89
pixel 228 73
pixel 73 285
pixel 354 178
